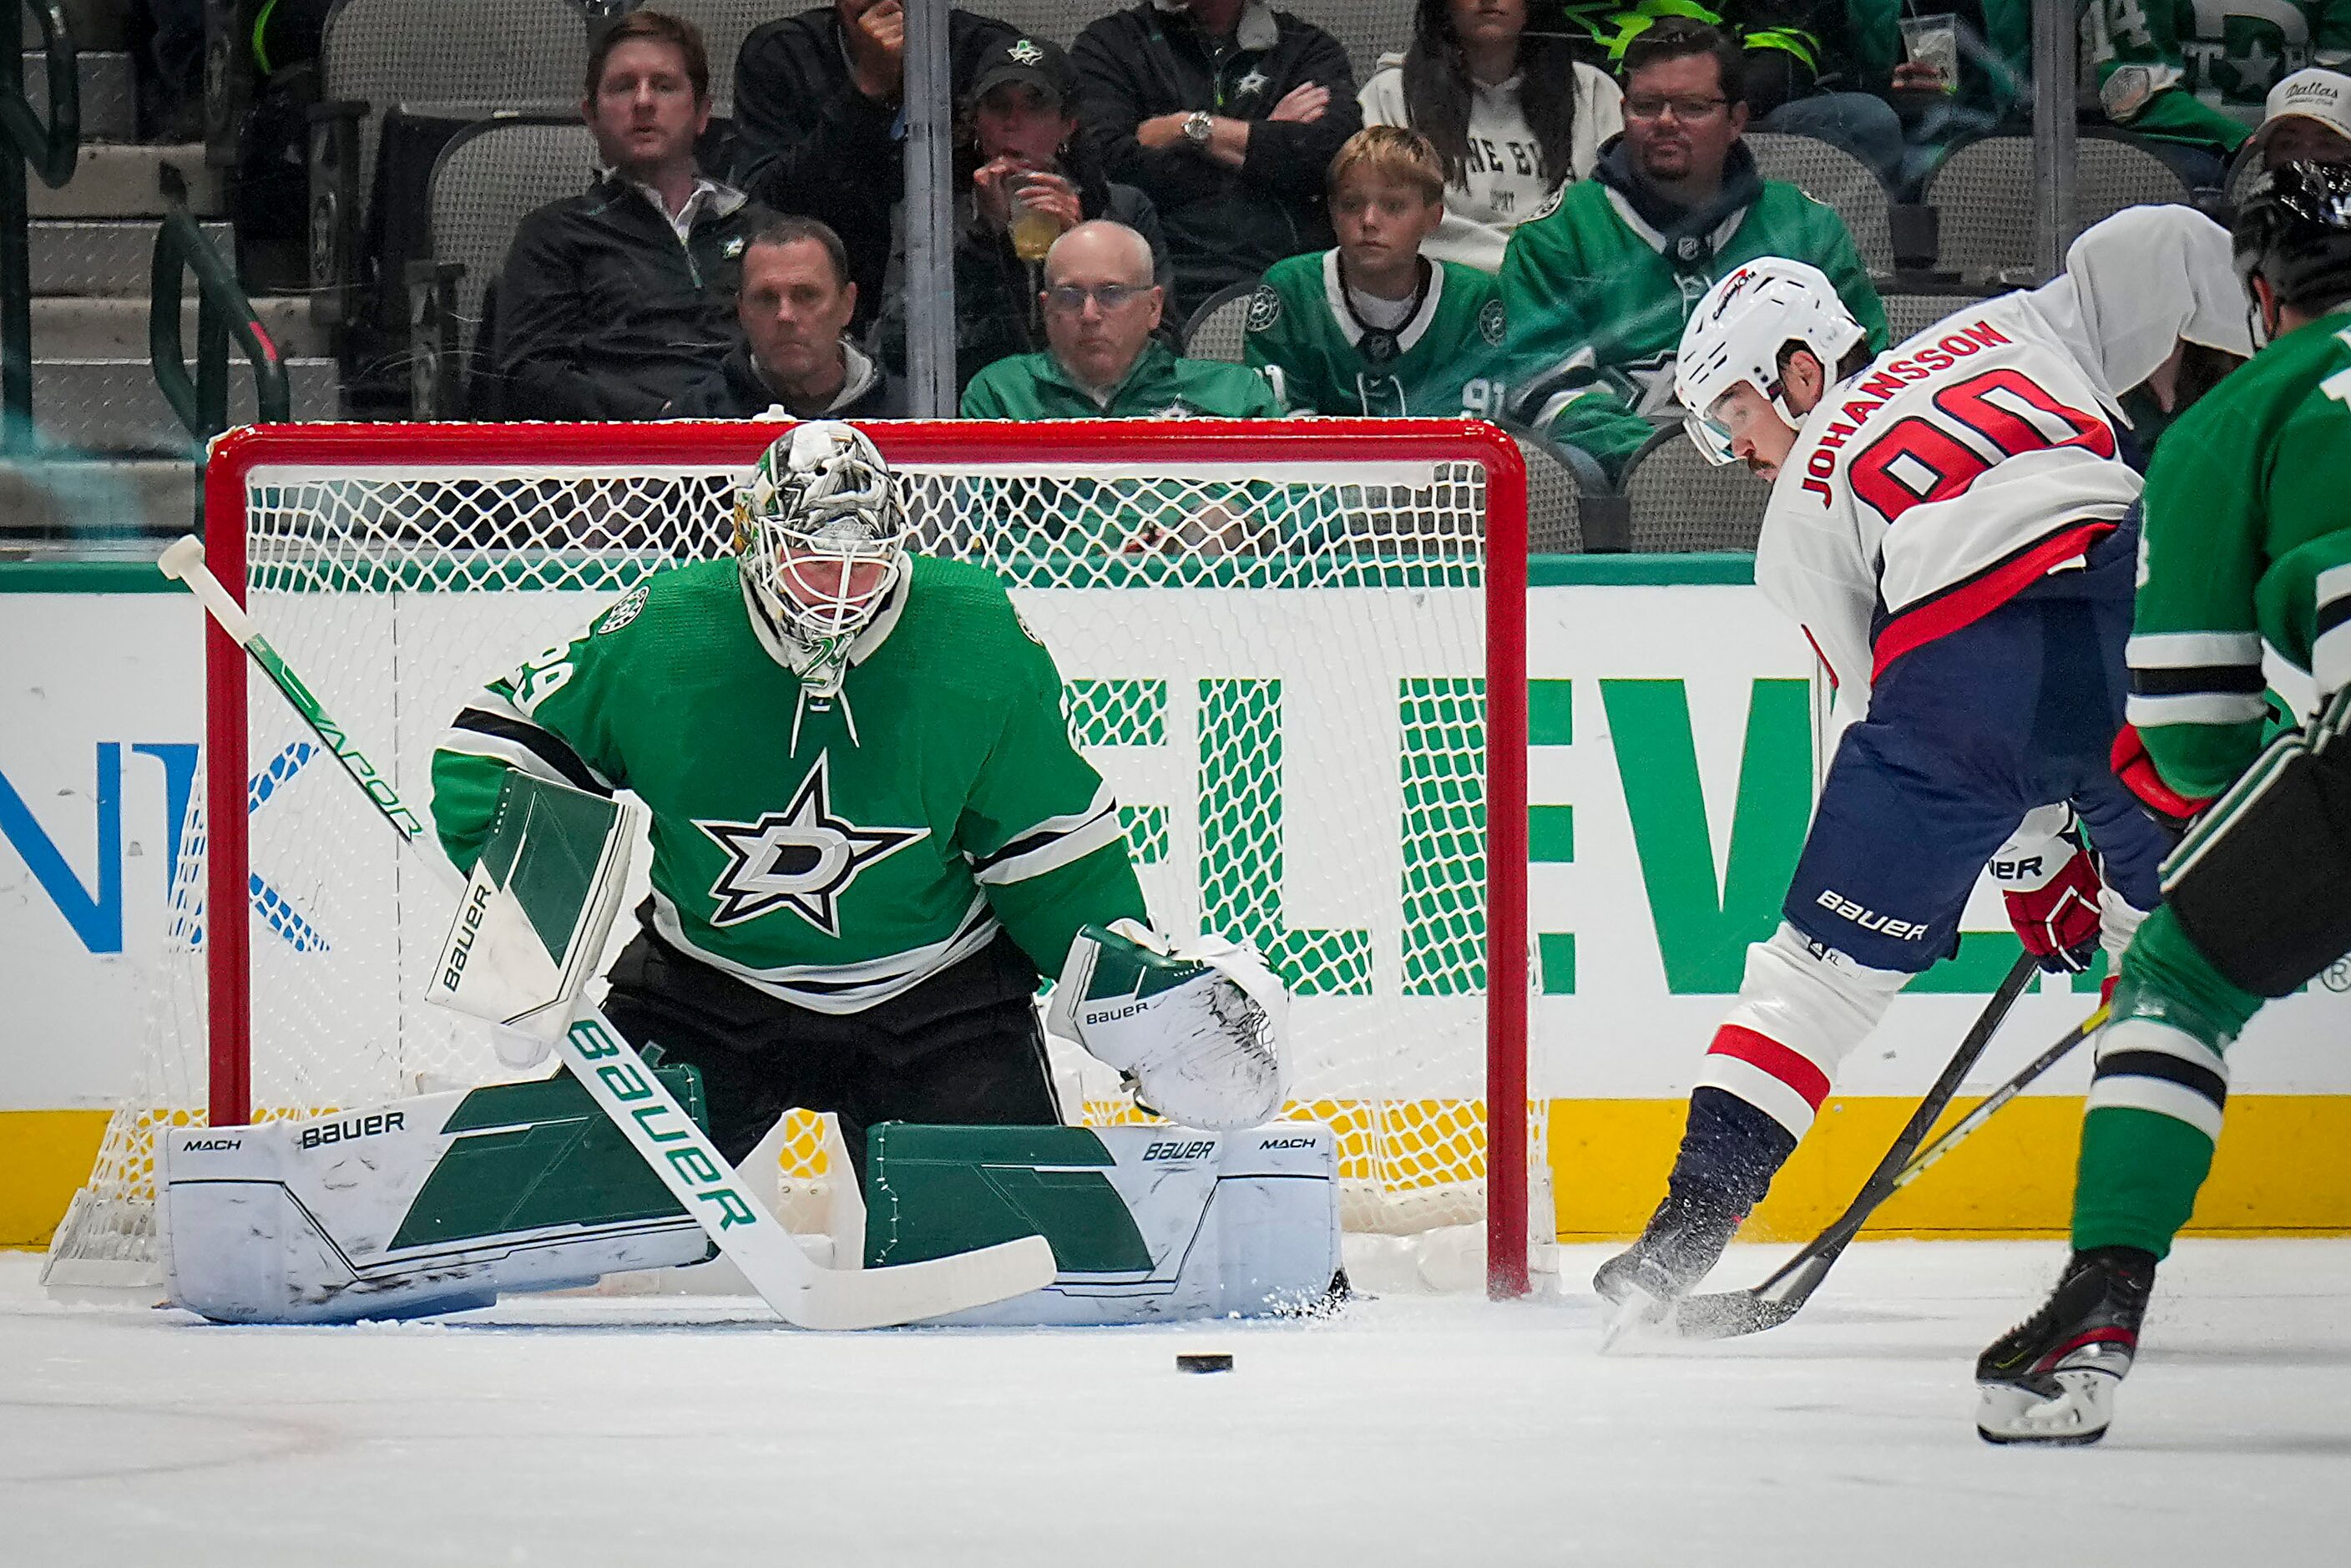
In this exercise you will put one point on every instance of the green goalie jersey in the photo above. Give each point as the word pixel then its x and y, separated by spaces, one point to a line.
pixel 2247 541
pixel 1446 359
pixel 834 854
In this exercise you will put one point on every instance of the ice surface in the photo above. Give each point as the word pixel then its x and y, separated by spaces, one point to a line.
pixel 670 1431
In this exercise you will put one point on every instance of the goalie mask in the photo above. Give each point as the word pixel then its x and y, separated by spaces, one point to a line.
pixel 1735 336
pixel 820 539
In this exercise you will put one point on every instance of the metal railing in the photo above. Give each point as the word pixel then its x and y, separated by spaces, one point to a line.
pixel 222 311
pixel 50 150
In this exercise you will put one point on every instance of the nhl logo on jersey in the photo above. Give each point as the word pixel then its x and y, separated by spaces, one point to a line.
pixel 802 858
pixel 1549 204
pixel 1490 324
pixel 1264 308
pixel 622 614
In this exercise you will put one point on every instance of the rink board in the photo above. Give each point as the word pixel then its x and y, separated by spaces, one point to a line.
pixel 1674 740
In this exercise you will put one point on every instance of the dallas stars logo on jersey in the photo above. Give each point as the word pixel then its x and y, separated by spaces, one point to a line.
pixel 802 858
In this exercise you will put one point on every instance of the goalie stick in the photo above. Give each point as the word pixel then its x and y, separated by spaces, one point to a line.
pixel 1729 1313
pixel 801 1292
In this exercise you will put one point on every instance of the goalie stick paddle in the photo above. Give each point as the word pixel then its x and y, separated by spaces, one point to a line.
pixel 1730 1313
pixel 801 1292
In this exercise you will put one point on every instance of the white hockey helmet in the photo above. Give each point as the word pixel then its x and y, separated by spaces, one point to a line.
pixel 812 519
pixel 1736 333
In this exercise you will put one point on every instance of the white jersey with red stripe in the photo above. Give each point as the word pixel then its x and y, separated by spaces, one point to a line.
pixel 1962 465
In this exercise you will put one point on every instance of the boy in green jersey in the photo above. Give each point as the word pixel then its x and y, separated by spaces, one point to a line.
pixel 1372 327
pixel 2246 543
pixel 871 832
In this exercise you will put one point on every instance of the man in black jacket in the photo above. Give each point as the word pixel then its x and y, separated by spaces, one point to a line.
pixel 612 302
pixel 1023 158
pixel 1227 113
pixel 819 123
pixel 794 359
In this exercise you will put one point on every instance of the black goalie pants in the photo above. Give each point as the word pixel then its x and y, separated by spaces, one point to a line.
pixel 963 1048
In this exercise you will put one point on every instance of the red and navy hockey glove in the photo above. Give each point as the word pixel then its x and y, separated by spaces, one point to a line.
pixel 2135 769
pixel 2058 920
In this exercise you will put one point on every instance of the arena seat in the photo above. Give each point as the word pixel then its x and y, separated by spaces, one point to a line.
pixel 1219 327
pixel 486 181
pixel 1987 225
pixel 1681 502
pixel 1829 173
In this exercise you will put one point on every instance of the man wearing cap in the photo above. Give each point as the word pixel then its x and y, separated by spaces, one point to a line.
pixel 2188 74
pixel 1030 177
pixel 820 123
pixel 2308 121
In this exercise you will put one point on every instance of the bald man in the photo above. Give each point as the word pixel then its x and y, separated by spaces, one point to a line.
pixel 1100 308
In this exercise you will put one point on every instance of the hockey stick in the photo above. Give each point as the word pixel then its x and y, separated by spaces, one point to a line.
pixel 697 1176
pixel 1729 1313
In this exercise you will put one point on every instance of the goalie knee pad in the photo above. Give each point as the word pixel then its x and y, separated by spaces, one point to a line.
pixel 2262 885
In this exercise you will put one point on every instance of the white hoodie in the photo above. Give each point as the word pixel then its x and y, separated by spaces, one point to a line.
pixel 1504 186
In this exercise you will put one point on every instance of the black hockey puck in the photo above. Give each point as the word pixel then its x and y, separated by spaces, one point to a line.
pixel 1212 1362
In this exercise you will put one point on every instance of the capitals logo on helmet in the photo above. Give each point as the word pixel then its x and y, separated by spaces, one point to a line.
pixel 1736 334
pixel 820 537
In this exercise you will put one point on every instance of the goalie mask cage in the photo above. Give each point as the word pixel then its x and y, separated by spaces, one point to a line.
pixel 1295 649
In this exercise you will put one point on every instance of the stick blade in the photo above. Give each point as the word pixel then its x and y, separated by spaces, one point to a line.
pixel 1729 1315
pixel 912 1292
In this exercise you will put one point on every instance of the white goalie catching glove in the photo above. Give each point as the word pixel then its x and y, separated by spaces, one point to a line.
pixel 1198 1028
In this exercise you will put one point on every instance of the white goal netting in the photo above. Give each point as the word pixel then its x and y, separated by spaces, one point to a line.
pixel 1277 660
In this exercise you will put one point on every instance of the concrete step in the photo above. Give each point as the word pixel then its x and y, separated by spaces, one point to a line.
pixel 93 502
pixel 110 93
pixel 84 257
pixel 120 180
pixel 113 405
pixel 93 24
pixel 86 328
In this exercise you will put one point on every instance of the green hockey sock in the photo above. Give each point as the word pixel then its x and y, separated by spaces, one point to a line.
pixel 2155 1101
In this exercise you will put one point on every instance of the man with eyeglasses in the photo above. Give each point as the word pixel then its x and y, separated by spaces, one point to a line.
pixel 1597 287
pixel 1102 361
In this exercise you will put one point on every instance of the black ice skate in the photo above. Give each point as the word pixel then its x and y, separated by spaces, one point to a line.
pixel 1684 1240
pixel 2052 1378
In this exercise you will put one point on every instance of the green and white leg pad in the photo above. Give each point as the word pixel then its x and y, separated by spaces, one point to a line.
pixel 1147 1224
pixel 434 1204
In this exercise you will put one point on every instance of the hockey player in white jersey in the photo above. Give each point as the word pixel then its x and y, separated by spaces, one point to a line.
pixel 1950 525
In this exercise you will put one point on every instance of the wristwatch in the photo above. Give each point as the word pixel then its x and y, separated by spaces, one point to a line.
pixel 1198 127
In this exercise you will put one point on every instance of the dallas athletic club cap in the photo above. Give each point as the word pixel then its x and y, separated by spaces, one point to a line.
pixel 1034 62
pixel 2315 93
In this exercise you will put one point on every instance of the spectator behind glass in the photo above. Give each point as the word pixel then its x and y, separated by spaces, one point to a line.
pixel 1017 141
pixel 1224 113
pixel 819 123
pixel 612 302
pixel 1374 325
pixel 1102 360
pixel 2308 121
pixel 1598 288
pixel 2190 75
pixel 794 359
pixel 1992 92
pixel 1511 114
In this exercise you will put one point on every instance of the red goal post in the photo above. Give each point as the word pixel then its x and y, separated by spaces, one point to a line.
pixel 1381 500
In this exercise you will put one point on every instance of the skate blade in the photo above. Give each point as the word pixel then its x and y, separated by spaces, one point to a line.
pixel 1637 1315
pixel 2078 1415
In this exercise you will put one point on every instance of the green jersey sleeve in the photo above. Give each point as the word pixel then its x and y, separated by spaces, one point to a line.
pixel 2199 558
pixel 1043 833
pixel 546 717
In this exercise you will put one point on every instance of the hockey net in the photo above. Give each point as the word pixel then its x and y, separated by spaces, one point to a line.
pixel 1275 642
